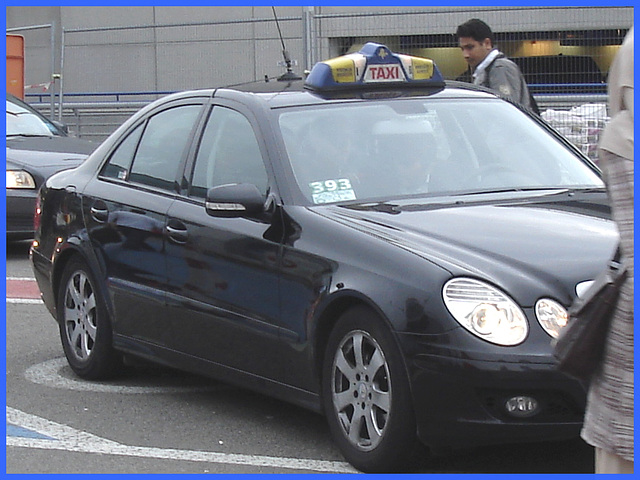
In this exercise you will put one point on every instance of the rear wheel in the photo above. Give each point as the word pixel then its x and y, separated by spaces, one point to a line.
pixel 366 395
pixel 85 329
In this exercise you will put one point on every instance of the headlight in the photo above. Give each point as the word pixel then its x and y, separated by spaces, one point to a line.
pixel 20 179
pixel 485 311
pixel 552 316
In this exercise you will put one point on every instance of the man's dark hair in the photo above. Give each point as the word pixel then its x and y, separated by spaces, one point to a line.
pixel 476 29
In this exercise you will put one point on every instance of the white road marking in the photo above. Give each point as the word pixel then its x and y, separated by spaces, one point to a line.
pixel 65 438
pixel 48 374
pixel 25 301
pixel 72 440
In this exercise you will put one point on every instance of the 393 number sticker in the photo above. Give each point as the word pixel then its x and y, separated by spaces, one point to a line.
pixel 328 191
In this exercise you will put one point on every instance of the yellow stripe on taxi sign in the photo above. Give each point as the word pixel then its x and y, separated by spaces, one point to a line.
pixel 343 69
pixel 422 68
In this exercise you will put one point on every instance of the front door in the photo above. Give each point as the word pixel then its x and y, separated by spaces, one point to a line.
pixel 223 272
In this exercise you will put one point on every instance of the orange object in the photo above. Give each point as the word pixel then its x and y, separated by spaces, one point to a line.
pixel 15 65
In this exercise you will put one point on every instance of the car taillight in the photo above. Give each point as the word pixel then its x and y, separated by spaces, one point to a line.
pixel 37 215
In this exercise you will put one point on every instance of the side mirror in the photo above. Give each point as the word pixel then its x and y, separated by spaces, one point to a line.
pixel 235 200
pixel 61 126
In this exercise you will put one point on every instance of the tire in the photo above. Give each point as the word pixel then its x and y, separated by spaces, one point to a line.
pixel 366 395
pixel 85 328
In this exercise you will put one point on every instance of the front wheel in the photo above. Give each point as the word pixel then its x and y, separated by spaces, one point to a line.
pixel 366 395
pixel 85 329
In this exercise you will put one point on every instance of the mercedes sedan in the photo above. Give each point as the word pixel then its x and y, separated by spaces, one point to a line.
pixel 375 244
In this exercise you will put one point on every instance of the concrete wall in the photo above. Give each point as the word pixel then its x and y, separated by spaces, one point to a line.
pixel 113 49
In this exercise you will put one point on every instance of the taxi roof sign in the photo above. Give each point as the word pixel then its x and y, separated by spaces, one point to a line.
pixel 373 66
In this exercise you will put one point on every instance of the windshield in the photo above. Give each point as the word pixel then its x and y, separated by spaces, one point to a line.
pixel 21 121
pixel 387 149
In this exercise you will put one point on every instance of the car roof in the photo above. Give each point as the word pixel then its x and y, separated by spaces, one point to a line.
pixel 289 94
pixel 276 95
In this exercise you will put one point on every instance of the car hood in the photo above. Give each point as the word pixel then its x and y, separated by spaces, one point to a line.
pixel 551 242
pixel 49 151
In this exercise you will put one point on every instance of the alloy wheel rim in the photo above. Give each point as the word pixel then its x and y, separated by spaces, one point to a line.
pixel 361 390
pixel 80 315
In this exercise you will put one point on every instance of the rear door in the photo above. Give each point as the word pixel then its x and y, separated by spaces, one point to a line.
pixel 125 210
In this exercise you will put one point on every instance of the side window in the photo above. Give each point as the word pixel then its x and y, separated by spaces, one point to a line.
pixel 120 162
pixel 162 146
pixel 228 153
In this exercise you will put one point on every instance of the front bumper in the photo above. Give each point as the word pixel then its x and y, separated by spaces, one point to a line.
pixel 21 206
pixel 460 398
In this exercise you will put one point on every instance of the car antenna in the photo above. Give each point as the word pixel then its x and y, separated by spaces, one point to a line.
pixel 288 76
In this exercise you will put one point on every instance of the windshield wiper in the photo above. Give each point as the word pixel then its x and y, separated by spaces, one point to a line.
pixel 28 135
pixel 588 189
pixel 497 190
pixel 515 189
pixel 375 207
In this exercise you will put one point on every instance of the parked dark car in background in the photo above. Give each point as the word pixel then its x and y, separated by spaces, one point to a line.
pixel 36 149
pixel 557 74
pixel 377 245
pixel 562 73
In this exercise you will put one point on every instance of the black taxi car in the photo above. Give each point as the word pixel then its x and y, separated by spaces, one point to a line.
pixel 378 245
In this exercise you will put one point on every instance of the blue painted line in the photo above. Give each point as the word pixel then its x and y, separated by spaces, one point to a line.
pixel 16 431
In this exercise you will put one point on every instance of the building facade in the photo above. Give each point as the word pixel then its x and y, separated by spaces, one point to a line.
pixel 167 48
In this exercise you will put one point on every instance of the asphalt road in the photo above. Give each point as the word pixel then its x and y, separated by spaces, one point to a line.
pixel 157 420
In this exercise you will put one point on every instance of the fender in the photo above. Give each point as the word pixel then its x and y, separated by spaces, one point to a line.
pixel 79 244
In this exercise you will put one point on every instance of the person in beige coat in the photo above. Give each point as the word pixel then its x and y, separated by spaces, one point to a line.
pixel 608 423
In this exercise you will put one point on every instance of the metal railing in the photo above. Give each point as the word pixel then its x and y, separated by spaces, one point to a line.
pixel 94 120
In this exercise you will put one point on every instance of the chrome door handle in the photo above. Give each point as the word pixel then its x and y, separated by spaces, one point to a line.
pixel 177 233
pixel 100 213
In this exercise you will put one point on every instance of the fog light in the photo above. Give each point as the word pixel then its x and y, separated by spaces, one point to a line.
pixel 522 406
